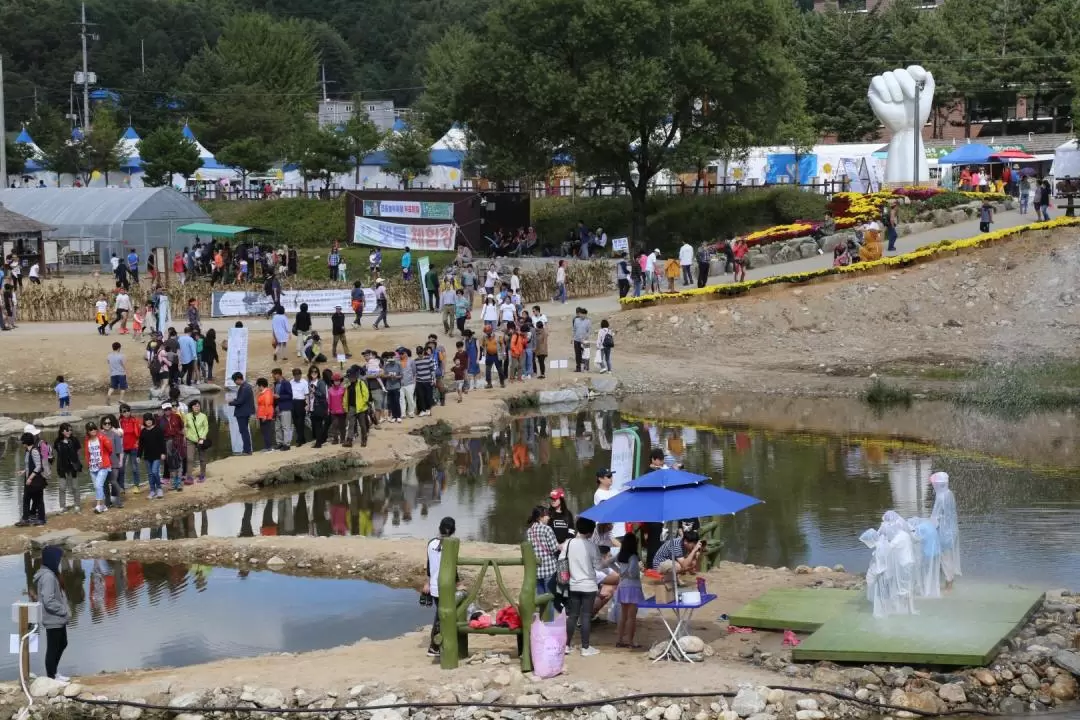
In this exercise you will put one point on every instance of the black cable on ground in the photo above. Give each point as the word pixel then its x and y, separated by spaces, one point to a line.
pixel 515 706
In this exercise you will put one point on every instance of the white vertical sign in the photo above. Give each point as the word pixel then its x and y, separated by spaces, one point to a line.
pixel 236 357
pixel 622 459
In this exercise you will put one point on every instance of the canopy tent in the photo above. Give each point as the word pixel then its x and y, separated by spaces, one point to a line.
pixel 33 163
pixel 214 230
pixel 211 169
pixel 1012 155
pixel 1066 160
pixel 971 154
pixel 129 148
pixel 449 150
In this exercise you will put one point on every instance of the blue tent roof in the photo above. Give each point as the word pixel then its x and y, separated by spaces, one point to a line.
pixel 24 138
pixel 32 165
pixel 972 153
pixel 188 134
pixel 130 134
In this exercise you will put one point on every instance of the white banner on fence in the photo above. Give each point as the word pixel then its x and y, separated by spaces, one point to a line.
pixel 319 302
pixel 236 356
pixel 367 231
pixel 620 244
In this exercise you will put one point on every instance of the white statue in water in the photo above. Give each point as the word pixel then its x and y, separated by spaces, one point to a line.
pixel 890 578
pixel 944 518
pixel 927 557
pixel 892 97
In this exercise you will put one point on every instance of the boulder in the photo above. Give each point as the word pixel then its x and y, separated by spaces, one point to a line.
pixel 952 693
pixel 808 249
pixel 1012 706
pixel 276 561
pixel 73 690
pixel 860 675
pixel 51 421
pixel 566 395
pixel 673 712
pixel 692 644
pixel 923 700
pixel 269 698
pixel 132 713
pixel 809 715
pixel 67 538
pixel 829 242
pixel 786 254
pixel 748 702
pixel 829 678
pixel 940 218
pixel 11 426
pixel 958 215
pixel 1067 660
pixel 209 388
pixel 776 696
pixel 1063 688
pixel 195 698
pixel 759 259
pixel 46 687
pixel 806 704
pixel 604 384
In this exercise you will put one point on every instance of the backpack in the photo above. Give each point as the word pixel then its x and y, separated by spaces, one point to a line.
pixel 885 216
pixel 609 340
pixel 492 346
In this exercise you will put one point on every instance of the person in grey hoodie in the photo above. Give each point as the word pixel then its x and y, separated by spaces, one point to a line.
pixel 55 612
pixel 582 327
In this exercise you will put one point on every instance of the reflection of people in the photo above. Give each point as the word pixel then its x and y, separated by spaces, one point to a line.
pixel 55 613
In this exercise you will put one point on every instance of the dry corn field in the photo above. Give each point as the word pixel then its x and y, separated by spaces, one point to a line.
pixel 69 301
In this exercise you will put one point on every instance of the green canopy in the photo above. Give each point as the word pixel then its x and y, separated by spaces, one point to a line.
pixel 217 230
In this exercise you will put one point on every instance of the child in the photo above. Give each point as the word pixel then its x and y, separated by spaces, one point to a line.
pixel 117 373
pixel 138 319
pixel 101 315
pixel 193 314
pixel 63 394
pixel 241 275
pixel 461 364
pixel 986 216
pixel 629 593
pixel 264 411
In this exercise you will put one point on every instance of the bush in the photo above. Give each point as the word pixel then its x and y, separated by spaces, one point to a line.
pixel 881 395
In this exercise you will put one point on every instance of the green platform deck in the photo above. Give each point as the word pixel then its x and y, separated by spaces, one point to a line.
pixel 965 627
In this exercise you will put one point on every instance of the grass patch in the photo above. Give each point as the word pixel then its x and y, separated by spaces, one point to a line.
pixel 881 394
pixel 523 402
pixel 1018 389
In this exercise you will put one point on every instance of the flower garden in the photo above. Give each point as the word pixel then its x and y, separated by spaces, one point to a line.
pixel 850 209
pixel 904 260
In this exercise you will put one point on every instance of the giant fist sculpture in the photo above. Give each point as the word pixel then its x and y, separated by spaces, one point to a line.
pixel 893 96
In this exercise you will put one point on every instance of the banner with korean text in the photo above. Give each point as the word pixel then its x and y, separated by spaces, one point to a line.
pixel 413 209
pixel 433 238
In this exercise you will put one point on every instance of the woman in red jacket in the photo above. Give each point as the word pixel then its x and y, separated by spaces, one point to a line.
pixel 98 450
pixel 132 427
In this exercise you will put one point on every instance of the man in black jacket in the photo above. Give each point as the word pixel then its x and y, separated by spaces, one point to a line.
pixel 337 327
pixel 243 408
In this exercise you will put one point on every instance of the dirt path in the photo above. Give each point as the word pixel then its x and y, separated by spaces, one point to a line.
pixel 401 661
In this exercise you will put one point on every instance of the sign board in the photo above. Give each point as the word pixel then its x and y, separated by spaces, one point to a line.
pixel 236 357
pixel 422 267
pixel 620 244
pixel 397 235
pixel 239 303
pixel 52 255
pixel 411 209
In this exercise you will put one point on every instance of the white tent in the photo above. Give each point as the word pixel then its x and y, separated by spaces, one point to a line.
pixel 1066 160
pixel 211 169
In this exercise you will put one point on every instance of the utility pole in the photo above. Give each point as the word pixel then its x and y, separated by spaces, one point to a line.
pixel 324 82
pixel 85 74
pixel 142 54
pixel 3 132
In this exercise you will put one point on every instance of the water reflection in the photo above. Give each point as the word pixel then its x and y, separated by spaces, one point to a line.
pixel 820 492
pixel 150 614
pixel 11 459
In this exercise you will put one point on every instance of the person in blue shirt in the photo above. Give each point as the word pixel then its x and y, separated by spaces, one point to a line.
pixel 133 265
pixel 188 354
pixel 63 394
pixel 406 265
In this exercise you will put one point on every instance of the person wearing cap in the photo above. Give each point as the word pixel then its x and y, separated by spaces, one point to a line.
pixel 381 303
pixel 357 402
pixel 447 527
pixel 652 282
pixel 562 520
pixel 337 329
pixel 604 491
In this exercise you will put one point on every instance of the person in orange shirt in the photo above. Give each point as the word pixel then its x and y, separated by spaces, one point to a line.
pixel 219 268
pixel 264 411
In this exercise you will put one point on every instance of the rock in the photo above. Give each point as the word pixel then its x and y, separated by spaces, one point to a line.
pixel 862 694
pixel 838 568
pixel 952 693
pixel 269 698
pixel 131 713
pixel 748 702
pixel 388 699
pixel 46 687
pixel 860 675
pixel 656 713
pixel 897 677
pixel 1019 690
pixel 657 650
pixel 356 690
pixel 11 426
pixel 762 716
pixel 531 699
pixel 809 715
pixel 808 249
pixel 775 697
pixel 609 712
pixel 1012 706
pixel 501 678
pixel 786 254
pixel 985 677
pixel 829 242
pixel 51 421
pixel 674 712
pixel 692 644
pixel 188 716
pixel 67 538
pixel 73 689
pixel 806 704
pixel 923 700
pixel 1067 660
pixel 604 384
pixel 1030 680
pixel 1063 687
pixel 829 677
pixel 802 570
pixel 567 395
pixel 276 561
pixel 195 698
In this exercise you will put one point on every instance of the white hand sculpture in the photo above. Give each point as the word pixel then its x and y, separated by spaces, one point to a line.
pixel 892 98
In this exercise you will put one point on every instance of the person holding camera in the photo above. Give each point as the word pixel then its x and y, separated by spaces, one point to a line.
pixel 429 596
pixel 684 551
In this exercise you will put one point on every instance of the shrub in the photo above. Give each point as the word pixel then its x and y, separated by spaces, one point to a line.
pixel 881 394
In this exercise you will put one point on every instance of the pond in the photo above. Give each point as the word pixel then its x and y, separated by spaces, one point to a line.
pixel 127 614
pixel 11 461
pixel 820 493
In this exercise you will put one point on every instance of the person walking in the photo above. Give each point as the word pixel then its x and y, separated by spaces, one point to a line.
pixel 264 412
pixel 36 473
pixel 283 430
pixel 492 345
pixel 98 451
pixel 560 282
pixel 703 257
pixel 196 428
pixel 279 324
pixel 55 611
pixel 546 548
pixel 335 399
pixel 431 287
pixel 605 343
pixel 891 218
pixel 448 302
pixel 153 452
pixel 337 329
pixel 243 408
pixel 540 335
pixel 381 304
pixel 686 262
pixel 582 330
pixel 357 400
pixel 68 466
pixel 425 381
pixel 622 277
pixel 318 405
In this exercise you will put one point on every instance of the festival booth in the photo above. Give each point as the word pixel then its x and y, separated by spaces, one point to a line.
pixel 210 175
pixel 34 172
pixel 132 164
pixel 444 171
pixel 1066 160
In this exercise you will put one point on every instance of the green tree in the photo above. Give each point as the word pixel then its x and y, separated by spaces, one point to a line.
pixel 66 157
pixel 616 82
pixel 18 155
pixel 248 155
pixel 361 138
pixel 103 151
pixel 166 151
pixel 319 152
pixel 408 154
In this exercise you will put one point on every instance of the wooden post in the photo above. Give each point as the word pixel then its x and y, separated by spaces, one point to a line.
pixel 24 647
pixel 448 619
pixel 528 604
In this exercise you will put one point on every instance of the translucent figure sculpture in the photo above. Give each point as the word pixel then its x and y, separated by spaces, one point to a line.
pixel 900 567
pixel 876 587
pixel 944 518
pixel 927 558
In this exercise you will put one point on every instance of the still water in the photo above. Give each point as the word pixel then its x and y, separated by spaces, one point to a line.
pixel 127 614
pixel 820 493
pixel 11 461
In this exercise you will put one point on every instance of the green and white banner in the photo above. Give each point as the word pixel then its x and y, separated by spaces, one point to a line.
pixel 412 209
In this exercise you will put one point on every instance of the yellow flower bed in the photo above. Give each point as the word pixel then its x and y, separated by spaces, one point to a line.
pixel 891 261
